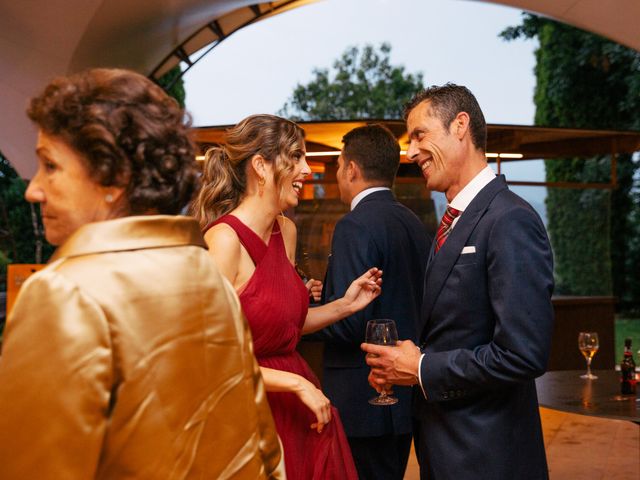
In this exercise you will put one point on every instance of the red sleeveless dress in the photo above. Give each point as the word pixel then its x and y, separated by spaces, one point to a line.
pixel 275 302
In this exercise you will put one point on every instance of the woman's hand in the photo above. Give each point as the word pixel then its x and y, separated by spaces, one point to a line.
pixel 314 287
pixel 359 294
pixel 315 400
pixel 364 289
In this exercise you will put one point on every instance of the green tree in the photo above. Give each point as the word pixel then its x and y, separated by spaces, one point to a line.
pixel 21 236
pixel 586 81
pixel 362 84
pixel 21 239
pixel 173 83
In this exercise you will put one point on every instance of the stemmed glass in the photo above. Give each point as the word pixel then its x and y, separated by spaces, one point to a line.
pixel 382 332
pixel 588 344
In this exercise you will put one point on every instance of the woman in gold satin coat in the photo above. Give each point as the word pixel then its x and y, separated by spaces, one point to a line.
pixel 127 356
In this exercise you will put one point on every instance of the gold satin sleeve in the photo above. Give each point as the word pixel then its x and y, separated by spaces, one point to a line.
pixel 269 443
pixel 55 377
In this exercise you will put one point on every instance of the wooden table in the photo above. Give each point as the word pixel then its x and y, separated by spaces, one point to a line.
pixel 564 390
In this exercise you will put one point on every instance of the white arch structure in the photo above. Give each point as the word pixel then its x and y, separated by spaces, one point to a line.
pixel 43 38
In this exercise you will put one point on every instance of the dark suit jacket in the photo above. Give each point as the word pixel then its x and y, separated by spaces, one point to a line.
pixel 379 232
pixel 486 334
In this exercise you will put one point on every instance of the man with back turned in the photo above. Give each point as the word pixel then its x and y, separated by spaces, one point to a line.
pixel 377 231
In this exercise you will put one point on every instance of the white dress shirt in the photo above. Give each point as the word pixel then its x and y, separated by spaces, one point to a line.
pixel 367 191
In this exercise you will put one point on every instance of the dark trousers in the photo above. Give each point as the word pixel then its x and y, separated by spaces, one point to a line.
pixel 381 458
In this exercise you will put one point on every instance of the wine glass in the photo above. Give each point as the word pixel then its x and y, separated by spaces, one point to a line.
pixel 588 344
pixel 382 332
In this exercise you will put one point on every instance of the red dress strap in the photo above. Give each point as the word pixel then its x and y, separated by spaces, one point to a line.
pixel 254 245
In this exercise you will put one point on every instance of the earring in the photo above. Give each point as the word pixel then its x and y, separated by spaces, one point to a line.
pixel 108 198
pixel 261 182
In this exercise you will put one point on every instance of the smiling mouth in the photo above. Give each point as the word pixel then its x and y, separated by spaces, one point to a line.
pixel 297 186
pixel 425 165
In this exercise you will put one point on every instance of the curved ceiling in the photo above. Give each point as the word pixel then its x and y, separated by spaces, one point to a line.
pixel 614 19
pixel 40 39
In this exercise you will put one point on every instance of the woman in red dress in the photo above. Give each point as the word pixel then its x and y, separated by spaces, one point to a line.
pixel 246 185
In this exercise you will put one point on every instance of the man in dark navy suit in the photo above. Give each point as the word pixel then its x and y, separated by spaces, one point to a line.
pixel 487 315
pixel 378 231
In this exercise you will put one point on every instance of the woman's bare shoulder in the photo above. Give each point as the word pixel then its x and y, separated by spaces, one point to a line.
pixel 222 238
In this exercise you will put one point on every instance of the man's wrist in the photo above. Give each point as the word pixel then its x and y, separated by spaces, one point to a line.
pixel 411 367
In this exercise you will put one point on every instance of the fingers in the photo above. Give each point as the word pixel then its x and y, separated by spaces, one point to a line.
pixel 374 382
pixel 323 416
pixel 320 405
pixel 379 380
pixel 371 284
pixel 376 351
pixel 374 272
pixel 314 287
pixel 379 384
pixel 318 427
pixel 321 408
pixel 374 275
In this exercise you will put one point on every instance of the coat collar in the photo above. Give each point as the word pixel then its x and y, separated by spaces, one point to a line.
pixel 131 233
pixel 379 195
pixel 440 265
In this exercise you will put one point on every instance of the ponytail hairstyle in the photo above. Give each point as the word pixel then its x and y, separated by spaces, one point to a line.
pixel 224 177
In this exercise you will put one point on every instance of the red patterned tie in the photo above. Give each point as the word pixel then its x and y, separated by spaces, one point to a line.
pixel 445 226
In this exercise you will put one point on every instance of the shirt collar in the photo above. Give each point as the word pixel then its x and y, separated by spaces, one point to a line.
pixel 131 233
pixel 367 191
pixel 462 200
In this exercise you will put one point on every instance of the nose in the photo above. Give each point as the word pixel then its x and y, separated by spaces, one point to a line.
pixel 34 193
pixel 306 169
pixel 412 151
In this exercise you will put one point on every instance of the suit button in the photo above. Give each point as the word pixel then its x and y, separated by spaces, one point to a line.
pixel 445 395
pixel 459 393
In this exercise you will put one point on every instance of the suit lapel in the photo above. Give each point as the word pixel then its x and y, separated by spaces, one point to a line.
pixel 440 264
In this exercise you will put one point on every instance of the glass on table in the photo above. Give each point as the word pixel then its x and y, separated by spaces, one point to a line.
pixel 588 345
pixel 382 332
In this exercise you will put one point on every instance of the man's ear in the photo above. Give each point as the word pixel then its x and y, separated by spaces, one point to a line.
pixel 353 171
pixel 460 125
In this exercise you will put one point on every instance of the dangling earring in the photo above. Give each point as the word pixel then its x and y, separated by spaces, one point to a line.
pixel 108 198
pixel 261 182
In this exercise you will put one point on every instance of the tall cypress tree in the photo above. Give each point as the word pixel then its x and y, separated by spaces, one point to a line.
pixel 586 81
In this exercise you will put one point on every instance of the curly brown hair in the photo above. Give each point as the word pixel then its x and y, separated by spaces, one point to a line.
pixel 129 131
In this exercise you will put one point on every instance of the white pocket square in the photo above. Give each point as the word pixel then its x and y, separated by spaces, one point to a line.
pixel 468 249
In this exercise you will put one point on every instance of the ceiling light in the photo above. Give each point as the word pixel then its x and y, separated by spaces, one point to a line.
pixel 503 155
pixel 334 153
